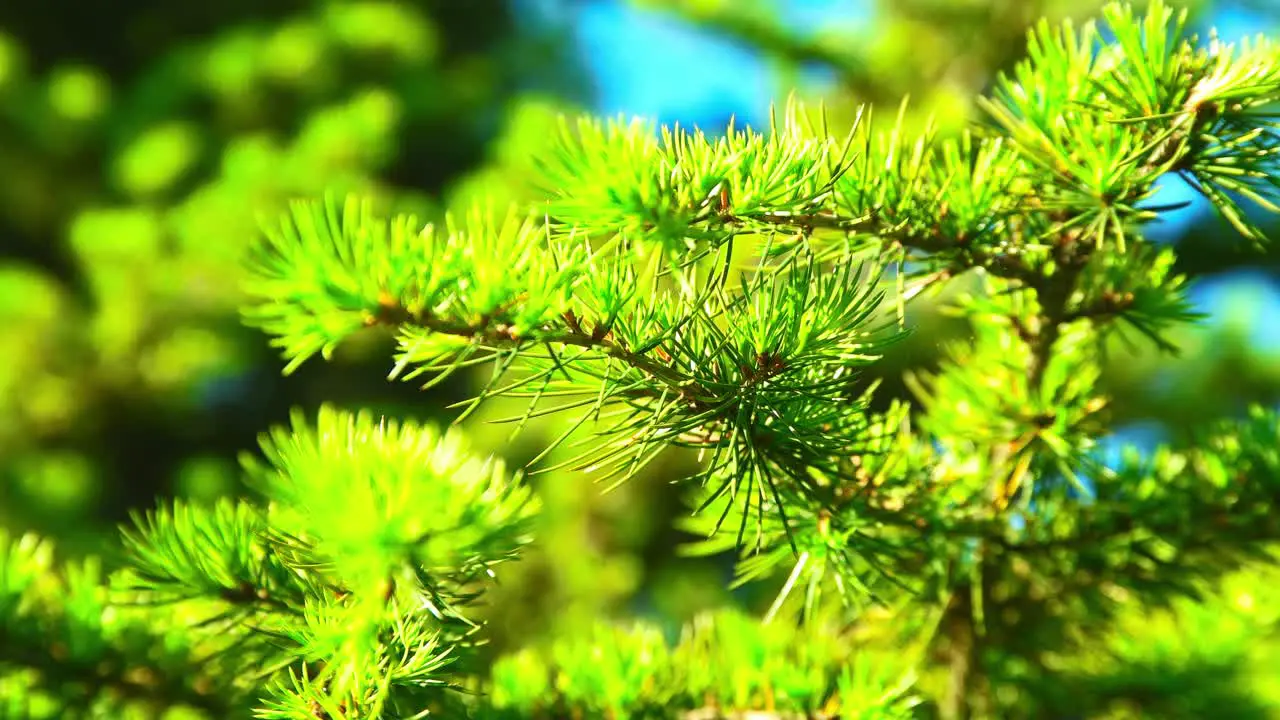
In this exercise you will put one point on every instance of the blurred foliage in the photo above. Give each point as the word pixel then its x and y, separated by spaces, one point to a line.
pixel 722 660
pixel 131 181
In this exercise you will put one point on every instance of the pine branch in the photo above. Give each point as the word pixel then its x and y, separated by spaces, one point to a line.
pixel 68 652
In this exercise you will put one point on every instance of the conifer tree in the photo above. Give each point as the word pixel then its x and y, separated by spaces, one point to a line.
pixel 723 296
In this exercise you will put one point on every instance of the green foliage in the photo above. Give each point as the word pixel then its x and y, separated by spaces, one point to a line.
pixel 731 297
pixel 349 585
pixel 723 663
pixel 71 652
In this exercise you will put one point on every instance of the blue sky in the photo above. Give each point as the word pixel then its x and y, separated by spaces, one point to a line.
pixel 697 78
